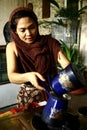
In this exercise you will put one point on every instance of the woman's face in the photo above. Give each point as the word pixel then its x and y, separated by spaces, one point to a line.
pixel 27 30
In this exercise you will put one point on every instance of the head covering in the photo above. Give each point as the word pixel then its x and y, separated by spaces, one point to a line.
pixel 28 12
pixel 32 57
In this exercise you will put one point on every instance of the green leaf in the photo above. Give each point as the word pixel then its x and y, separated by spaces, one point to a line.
pixel 82 10
pixel 54 3
pixel 66 50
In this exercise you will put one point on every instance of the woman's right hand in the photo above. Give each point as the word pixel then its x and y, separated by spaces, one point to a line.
pixel 33 77
pixel 12 69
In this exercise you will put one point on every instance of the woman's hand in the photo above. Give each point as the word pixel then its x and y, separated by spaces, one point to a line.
pixel 33 79
pixel 63 61
pixel 12 69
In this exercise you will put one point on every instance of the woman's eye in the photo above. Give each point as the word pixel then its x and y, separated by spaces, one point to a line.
pixel 32 27
pixel 22 30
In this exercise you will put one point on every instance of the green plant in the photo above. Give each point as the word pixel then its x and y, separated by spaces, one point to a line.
pixel 72 55
pixel 54 3
pixel 72 14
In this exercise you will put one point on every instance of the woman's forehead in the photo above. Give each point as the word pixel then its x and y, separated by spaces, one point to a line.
pixel 26 21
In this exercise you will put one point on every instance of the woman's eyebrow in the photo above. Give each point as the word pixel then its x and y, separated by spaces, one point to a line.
pixel 31 25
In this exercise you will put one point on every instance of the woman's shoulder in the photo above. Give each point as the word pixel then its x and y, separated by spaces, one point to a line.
pixel 11 44
pixel 11 47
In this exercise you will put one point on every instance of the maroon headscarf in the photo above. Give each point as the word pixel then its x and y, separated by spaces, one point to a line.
pixel 36 56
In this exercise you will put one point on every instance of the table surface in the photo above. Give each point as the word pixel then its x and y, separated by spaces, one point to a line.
pixel 23 120
pixel 18 121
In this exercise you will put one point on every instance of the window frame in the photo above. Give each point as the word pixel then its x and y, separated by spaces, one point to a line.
pixel 3 66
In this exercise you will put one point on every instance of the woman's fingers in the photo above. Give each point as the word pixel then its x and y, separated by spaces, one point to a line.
pixel 40 76
pixel 38 86
pixel 33 78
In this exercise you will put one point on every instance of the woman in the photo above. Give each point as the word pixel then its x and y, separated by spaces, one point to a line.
pixel 31 57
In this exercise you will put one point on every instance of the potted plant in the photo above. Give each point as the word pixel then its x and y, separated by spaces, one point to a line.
pixel 72 15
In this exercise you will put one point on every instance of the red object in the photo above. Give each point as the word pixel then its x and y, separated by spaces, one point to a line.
pixel 1 113
pixel 31 105
pixel 82 90
pixel 15 110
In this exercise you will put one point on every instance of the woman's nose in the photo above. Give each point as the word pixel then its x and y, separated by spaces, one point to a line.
pixel 28 32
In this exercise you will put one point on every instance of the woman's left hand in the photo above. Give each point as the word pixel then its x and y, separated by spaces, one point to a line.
pixel 63 61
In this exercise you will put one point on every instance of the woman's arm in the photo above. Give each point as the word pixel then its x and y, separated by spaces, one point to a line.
pixel 12 69
pixel 63 61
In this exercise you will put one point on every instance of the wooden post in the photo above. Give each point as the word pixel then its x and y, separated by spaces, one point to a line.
pixel 45 9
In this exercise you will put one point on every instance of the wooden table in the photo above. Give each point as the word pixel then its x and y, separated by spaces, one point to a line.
pixel 18 121
pixel 23 120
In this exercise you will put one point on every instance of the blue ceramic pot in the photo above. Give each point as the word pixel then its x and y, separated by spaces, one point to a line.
pixel 67 80
pixel 54 110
